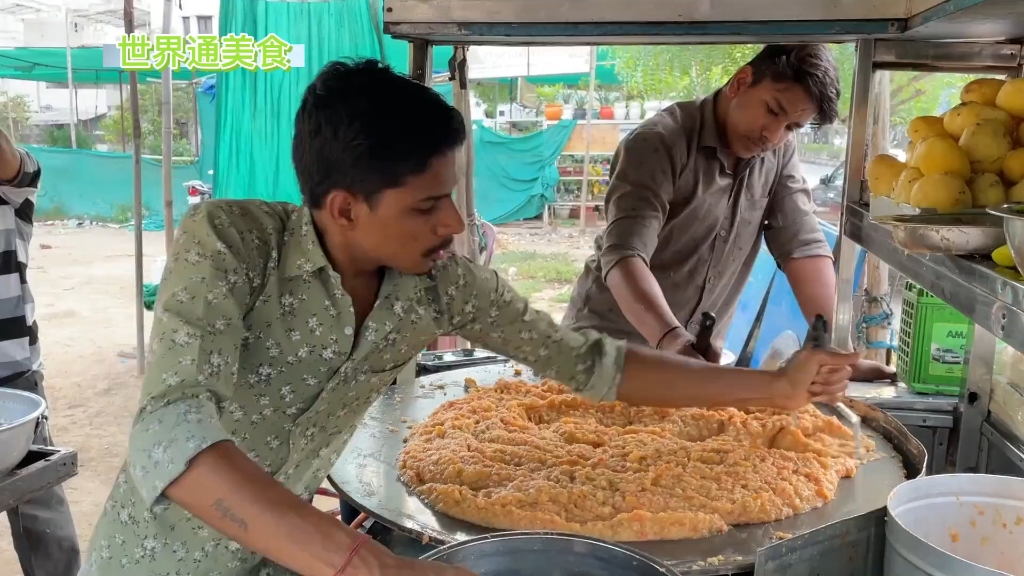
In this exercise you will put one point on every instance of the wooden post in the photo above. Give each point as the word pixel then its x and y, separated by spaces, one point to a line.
pixel 585 190
pixel 167 122
pixel 72 104
pixel 876 275
pixel 120 93
pixel 465 243
pixel 133 96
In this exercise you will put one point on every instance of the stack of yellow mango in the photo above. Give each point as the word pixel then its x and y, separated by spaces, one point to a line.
pixel 970 157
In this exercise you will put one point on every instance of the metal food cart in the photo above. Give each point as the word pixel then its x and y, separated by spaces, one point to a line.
pixel 934 35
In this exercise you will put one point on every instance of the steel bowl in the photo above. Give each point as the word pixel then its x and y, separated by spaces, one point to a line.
pixel 547 553
pixel 1013 227
pixel 958 234
pixel 19 413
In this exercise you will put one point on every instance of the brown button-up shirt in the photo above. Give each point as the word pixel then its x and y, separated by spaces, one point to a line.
pixel 674 202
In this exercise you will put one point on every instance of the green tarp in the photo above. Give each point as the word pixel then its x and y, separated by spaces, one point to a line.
pixel 99 185
pixel 50 65
pixel 514 176
pixel 256 111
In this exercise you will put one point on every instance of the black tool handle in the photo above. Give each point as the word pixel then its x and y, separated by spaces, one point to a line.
pixel 707 329
pixel 818 335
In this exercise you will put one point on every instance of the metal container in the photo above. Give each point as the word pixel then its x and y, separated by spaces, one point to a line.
pixel 882 207
pixel 956 524
pixel 547 553
pixel 19 412
pixel 960 234
pixel 1013 227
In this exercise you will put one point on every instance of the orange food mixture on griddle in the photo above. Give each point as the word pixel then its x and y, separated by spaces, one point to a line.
pixel 520 456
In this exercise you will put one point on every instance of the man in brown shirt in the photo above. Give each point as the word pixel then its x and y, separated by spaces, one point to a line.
pixel 694 188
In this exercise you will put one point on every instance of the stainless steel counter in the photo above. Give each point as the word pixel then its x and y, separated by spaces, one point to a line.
pixel 367 476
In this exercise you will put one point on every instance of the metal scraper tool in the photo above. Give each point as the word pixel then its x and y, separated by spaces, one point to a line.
pixel 818 338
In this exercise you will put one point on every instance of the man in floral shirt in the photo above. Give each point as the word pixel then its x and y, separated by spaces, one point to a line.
pixel 278 325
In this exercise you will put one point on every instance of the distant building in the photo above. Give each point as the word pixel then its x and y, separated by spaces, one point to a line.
pixel 41 24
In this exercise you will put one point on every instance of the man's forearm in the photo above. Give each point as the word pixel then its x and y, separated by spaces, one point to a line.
pixel 10 160
pixel 640 298
pixel 813 280
pixel 229 492
pixel 652 378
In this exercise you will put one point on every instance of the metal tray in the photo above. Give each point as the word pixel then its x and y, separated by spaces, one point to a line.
pixel 367 476
pixel 548 553
pixel 42 468
pixel 954 234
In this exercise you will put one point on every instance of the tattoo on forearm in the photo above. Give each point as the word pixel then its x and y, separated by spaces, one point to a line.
pixel 228 514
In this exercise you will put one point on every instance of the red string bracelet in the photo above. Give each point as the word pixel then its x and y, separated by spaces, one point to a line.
pixel 363 539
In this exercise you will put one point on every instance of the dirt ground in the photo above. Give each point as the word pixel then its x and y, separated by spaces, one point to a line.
pixel 83 282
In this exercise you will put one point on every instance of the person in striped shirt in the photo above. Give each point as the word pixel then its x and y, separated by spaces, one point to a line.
pixel 42 528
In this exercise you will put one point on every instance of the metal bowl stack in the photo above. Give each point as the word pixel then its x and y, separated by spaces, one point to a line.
pixel 19 413
pixel 547 553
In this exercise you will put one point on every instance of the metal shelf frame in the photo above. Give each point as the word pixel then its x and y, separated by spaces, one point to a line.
pixel 541 22
pixel 972 286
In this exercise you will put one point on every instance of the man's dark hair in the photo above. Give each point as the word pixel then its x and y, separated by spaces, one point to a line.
pixel 364 128
pixel 809 65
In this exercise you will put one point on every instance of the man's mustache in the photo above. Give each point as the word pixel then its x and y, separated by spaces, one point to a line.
pixel 442 247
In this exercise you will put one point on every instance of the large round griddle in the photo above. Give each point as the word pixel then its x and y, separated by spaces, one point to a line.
pixel 367 476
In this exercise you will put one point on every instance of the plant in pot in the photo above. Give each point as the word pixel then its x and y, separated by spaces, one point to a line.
pixel 568 98
pixel 634 108
pixel 607 100
pixel 549 96
pixel 582 107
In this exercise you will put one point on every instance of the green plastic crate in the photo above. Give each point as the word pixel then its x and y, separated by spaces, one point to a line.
pixel 933 343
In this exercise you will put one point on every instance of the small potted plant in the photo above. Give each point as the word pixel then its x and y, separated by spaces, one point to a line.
pixel 634 96
pixel 582 107
pixel 568 98
pixel 607 99
pixel 548 96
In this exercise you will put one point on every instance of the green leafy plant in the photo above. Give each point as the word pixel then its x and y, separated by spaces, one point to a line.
pixel 15 111
pixel 567 96
pixel 606 98
pixel 549 93
pixel 60 137
pixel 580 99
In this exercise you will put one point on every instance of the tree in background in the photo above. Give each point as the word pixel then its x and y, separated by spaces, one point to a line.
pixel 60 137
pixel 688 72
pixel 678 72
pixel 182 114
pixel 14 114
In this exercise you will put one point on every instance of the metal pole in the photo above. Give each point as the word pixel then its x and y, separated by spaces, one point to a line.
pixel 10 116
pixel 856 151
pixel 120 93
pixel 73 121
pixel 168 138
pixel 585 191
pixel 195 115
pixel 133 97
pixel 465 243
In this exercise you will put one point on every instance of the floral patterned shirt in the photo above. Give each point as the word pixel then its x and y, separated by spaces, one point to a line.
pixel 253 342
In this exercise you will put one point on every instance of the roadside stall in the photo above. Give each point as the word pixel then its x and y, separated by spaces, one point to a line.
pixel 944 255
